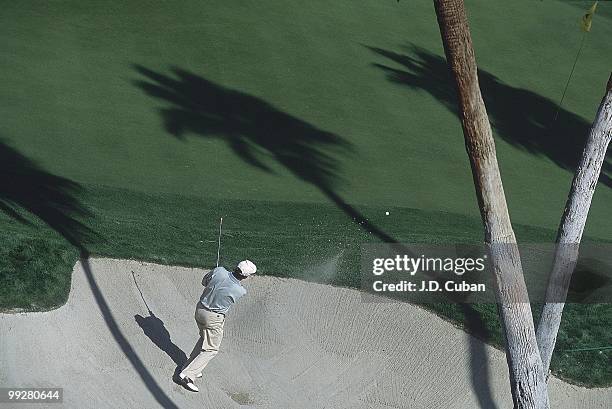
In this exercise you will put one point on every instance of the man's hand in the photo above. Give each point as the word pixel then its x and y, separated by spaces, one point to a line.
pixel 207 277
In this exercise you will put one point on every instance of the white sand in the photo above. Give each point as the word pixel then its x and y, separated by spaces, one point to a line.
pixel 288 344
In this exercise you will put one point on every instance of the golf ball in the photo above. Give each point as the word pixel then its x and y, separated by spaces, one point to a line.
pixel 386 213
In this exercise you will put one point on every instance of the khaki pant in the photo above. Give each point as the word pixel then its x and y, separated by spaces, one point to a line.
pixel 211 334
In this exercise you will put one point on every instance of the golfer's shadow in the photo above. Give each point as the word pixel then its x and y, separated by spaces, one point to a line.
pixel 156 331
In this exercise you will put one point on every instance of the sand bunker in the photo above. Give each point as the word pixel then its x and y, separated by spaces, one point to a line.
pixel 288 344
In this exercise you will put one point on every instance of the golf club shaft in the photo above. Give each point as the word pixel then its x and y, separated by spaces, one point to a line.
pixel 219 246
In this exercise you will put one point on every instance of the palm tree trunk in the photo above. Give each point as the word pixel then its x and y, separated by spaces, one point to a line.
pixel 572 226
pixel 527 380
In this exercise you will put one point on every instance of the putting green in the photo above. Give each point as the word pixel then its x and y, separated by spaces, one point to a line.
pixel 309 84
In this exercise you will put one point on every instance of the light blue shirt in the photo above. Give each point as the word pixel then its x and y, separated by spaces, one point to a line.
pixel 221 290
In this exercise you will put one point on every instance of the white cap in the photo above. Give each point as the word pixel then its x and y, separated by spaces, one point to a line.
pixel 247 268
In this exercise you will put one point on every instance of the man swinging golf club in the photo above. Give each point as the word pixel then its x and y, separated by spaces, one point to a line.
pixel 221 290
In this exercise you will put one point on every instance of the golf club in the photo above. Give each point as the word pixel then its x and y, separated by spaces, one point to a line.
pixel 219 246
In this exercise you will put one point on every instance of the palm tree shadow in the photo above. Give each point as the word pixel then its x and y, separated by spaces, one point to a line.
pixel 479 360
pixel 255 130
pixel 519 116
pixel 27 188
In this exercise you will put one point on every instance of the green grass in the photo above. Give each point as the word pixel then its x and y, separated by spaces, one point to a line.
pixel 34 271
pixel 314 108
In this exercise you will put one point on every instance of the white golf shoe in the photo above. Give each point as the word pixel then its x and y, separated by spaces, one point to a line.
pixel 188 383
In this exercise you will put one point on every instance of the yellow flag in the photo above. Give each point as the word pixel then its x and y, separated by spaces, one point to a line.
pixel 587 19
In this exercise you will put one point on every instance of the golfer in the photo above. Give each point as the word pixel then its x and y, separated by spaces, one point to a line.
pixel 221 290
